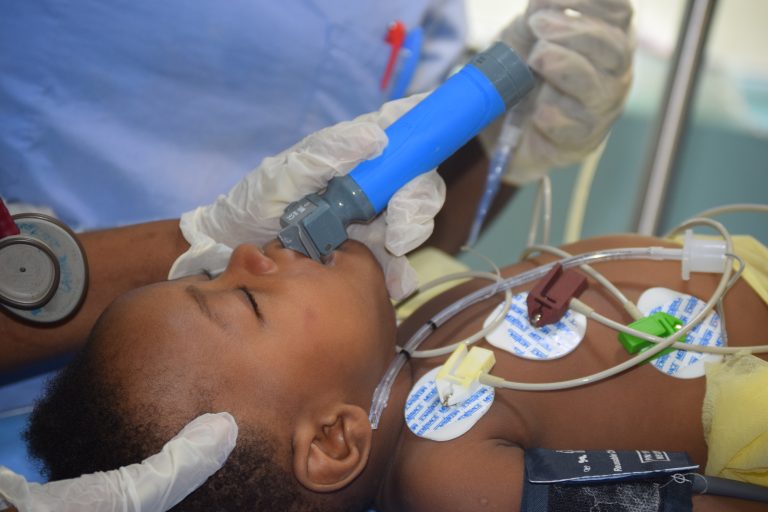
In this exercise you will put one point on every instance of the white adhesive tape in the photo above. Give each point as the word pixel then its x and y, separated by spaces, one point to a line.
pixel 428 418
pixel 684 364
pixel 517 336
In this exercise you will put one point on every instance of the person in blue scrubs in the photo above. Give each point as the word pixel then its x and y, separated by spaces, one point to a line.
pixel 122 112
pixel 116 112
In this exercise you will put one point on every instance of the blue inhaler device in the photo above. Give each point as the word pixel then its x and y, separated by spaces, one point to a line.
pixel 493 81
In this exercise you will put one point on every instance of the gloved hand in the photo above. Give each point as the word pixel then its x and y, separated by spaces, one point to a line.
pixel 157 484
pixel 581 51
pixel 251 211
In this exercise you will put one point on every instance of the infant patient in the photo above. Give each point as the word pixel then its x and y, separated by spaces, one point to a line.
pixel 294 350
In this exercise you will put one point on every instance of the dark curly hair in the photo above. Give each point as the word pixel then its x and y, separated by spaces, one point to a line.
pixel 82 425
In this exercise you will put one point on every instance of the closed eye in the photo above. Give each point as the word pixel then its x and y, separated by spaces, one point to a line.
pixel 248 295
pixel 252 301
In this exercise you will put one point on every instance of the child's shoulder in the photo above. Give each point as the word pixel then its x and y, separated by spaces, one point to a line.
pixel 472 472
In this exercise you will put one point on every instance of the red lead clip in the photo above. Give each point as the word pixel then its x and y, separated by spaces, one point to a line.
pixel 395 37
pixel 548 300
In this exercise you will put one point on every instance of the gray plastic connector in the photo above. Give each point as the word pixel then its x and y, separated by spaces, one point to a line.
pixel 316 225
pixel 511 77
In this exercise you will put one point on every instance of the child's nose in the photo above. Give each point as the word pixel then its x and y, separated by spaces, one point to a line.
pixel 250 258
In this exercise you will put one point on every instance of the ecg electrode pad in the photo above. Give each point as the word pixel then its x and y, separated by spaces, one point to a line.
pixel 684 364
pixel 428 418
pixel 517 336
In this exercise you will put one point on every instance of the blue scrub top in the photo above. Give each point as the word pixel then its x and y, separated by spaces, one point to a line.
pixel 120 112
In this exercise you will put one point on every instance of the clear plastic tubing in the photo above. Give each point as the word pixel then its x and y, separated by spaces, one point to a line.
pixel 505 144
pixel 381 394
pixel 502 151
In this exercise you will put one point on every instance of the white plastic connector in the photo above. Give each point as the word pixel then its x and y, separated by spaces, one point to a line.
pixel 702 255
pixel 459 377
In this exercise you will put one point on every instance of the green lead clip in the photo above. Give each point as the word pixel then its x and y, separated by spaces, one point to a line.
pixel 658 324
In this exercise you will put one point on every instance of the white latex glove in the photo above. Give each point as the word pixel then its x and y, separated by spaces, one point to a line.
pixel 251 211
pixel 157 484
pixel 581 52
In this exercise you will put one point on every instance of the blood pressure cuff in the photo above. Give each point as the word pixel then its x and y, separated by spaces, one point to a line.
pixel 606 481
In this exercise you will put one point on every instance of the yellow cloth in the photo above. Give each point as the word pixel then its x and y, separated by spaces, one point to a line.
pixel 755 255
pixel 735 418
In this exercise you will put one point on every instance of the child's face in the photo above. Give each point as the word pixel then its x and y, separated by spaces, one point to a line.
pixel 316 333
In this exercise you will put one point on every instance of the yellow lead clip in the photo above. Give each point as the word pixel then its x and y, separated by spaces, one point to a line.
pixel 459 377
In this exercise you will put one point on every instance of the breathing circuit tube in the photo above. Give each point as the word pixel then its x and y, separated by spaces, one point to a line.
pixel 382 392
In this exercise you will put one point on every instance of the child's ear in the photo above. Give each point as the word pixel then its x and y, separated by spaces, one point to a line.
pixel 331 450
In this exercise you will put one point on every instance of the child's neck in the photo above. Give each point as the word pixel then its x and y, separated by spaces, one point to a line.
pixel 391 428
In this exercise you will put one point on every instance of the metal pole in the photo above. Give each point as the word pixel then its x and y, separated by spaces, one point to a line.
pixel 677 99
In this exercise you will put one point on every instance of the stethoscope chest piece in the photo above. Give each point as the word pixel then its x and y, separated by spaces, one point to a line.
pixel 43 270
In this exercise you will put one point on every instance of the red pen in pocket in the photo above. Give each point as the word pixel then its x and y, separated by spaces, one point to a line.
pixel 395 38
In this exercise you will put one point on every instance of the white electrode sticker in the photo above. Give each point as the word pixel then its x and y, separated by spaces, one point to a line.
pixel 684 364
pixel 517 336
pixel 428 418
